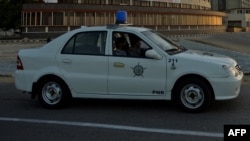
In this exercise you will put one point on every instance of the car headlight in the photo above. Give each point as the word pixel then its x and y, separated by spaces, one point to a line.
pixel 230 70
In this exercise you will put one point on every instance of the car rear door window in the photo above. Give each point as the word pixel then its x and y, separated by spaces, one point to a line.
pixel 86 43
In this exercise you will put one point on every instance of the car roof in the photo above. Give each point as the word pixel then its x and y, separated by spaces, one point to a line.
pixel 118 28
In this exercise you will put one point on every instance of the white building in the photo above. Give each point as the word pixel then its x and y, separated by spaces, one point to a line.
pixel 239 18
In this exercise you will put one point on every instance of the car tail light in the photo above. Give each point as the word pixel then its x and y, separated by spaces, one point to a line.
pixel 19 64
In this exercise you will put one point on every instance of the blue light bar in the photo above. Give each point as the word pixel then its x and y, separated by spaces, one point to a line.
pixel 121 17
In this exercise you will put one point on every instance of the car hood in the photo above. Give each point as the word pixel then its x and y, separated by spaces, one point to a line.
pixel 209 57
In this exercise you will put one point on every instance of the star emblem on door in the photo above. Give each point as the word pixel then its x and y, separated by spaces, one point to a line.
pixel 138 70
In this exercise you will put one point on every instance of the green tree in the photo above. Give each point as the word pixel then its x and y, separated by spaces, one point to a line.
pixel 10 14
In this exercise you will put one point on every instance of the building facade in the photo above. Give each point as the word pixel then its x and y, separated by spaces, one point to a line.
pixel 170 16
pixel 239 18
pixel 238 12
pixel 224 5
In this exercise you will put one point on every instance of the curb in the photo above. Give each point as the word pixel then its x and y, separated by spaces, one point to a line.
pixel 6 75
pixel 24 41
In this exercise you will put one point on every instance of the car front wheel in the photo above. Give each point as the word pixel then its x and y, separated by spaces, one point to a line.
pixel 53 93
pixel 193 95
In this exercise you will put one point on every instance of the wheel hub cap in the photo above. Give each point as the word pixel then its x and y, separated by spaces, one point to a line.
pixel 52 93
pixel 192 96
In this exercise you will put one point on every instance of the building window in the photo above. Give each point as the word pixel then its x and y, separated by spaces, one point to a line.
pixel 136 2
pixel 47 18
pixel 124 2
pixel 145 3
pixel 58 18
pixel 176 5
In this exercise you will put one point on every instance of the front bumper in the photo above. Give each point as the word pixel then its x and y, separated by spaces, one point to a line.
pixel 226 88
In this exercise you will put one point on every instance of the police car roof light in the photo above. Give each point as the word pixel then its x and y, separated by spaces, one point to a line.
pixel 121 17
pixel 121 20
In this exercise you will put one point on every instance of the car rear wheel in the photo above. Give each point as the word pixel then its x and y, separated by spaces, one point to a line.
pixel 53 93
pixel 193 95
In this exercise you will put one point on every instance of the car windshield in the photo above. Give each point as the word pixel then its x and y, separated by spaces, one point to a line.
pixel 162 42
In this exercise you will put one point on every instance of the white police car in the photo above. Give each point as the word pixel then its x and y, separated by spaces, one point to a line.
pixel 83 64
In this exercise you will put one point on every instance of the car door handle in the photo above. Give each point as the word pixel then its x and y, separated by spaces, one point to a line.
pixel 118 64
pixel 67 61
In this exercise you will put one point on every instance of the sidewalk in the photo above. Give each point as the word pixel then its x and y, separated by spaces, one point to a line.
pixel 8 55
pixel 243 59
pixel 8 51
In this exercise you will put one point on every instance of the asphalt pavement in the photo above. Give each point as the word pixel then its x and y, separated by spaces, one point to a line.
pixel 115 120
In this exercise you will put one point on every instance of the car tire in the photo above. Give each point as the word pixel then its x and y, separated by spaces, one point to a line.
pixel 193 95
pixel 53 93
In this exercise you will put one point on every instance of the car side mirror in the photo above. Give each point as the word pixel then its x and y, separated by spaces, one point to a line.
pixel 153 54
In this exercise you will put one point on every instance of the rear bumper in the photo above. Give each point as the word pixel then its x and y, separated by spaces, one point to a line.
pixel 21 82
